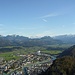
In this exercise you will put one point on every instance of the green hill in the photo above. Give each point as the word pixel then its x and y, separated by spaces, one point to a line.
pixel 69 52
pixel 64 65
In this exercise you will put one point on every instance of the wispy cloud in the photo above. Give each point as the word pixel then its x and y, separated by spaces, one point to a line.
pixel 50 15
pixel 44 20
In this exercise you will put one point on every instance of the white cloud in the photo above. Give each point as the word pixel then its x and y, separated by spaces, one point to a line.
pixel 44 20
pixel 50 15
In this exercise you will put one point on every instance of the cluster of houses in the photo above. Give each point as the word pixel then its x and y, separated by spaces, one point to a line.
pixel 34 64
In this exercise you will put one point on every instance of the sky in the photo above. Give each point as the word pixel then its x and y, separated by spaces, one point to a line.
pixel 36 18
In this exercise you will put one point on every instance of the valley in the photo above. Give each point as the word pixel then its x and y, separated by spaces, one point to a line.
pixel 29 56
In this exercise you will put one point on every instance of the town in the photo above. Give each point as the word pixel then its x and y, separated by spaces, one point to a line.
pixel 31 64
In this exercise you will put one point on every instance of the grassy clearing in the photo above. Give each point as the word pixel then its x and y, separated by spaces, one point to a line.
pixel 9 56
pixel 14 54
pixel 53 52
pixel 60 46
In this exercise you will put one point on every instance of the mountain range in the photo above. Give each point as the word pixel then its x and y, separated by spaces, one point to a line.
pixel 16 40
pixel 70 39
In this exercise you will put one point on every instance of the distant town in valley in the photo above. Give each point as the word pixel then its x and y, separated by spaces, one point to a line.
pixel 37 37
pixel 21 55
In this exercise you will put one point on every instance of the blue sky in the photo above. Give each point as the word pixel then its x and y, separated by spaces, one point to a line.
pixel 37 17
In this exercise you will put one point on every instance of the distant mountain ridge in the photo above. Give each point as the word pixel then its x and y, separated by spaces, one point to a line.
pixel 70 39
pixel 16 40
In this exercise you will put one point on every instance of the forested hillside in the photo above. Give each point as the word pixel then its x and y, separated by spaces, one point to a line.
pixel 68 52
pixel 64 65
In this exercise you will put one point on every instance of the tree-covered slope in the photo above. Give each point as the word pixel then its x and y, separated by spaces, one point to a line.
pixel 69 52
pixel 64 65
pixel 61 66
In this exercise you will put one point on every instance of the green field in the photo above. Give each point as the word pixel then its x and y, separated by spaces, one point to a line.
pixel 14 52
pixel 52 52
pixel 9 56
